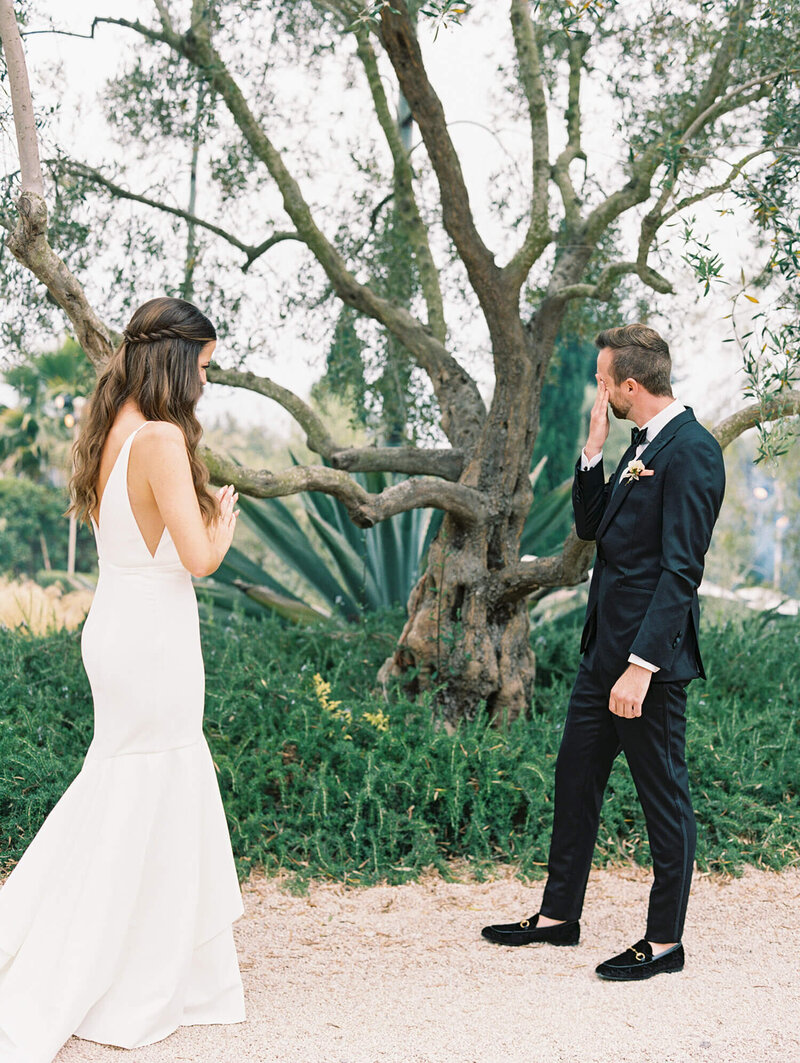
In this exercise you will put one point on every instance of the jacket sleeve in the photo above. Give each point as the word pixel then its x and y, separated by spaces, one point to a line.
pixel 694 484
pixel 589 497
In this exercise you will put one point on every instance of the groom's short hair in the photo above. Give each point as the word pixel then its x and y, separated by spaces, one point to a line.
pixel 640 354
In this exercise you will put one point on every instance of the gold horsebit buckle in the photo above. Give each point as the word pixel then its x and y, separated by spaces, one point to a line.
pixel 640 956
pixel 525 924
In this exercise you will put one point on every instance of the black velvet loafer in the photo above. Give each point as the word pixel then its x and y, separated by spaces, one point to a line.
pixel 527 933
pixel 637 963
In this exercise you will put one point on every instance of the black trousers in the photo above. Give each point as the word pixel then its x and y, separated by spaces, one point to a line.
pixel 654 746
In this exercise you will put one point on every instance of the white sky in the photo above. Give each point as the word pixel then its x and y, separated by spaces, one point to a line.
pixel 462 64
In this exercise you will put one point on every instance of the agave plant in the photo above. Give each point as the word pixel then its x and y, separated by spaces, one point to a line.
pixel 548 518
pixel 347 570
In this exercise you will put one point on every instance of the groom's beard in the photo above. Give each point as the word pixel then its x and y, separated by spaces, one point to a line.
pixel 620 412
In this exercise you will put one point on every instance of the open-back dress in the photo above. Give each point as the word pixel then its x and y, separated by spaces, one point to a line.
pixel 116 923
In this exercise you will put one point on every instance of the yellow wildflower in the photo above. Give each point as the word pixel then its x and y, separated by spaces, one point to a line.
pixel 379 720
pixel 323 689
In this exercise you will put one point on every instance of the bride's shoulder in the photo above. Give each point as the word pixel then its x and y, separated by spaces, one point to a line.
pixel 160 439
pixel 155 432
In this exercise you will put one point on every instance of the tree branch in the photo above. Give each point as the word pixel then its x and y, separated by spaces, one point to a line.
pixel 364 509
pixel 708 103
pixel 405 200
pixel 28 243
pixel 447 463
pixel 402 47
pixel 463 411
pixel 539 234
pixel 139 27
pixel 318 438
pixel 723 186
pixel 717 79
pixel 654 218
pixel 163 14
pixel 21 101
pixel 444 462
pixel 199 11
pixel 251 252
pixel 784 404
pixel 603 287
pixel 578 46
pixel 706 106
pixel 566 569
pixel 28 240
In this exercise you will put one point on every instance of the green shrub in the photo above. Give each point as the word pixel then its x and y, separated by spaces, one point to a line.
pixel 30 514
pixel 321 776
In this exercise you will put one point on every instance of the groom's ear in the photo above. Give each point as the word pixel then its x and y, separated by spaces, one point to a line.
pixel 631 386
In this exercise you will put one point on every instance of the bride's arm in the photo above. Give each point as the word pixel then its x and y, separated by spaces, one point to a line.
pixel 201 547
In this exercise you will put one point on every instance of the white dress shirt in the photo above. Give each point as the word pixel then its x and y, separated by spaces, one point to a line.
pixel 653 426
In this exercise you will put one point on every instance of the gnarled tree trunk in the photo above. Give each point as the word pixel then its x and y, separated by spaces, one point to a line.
pixel 468 633
pixel 458 636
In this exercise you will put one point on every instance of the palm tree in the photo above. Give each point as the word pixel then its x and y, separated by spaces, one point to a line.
pixel 35 434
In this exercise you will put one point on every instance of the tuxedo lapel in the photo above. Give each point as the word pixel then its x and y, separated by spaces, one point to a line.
pixel 620 493
pixel 667 434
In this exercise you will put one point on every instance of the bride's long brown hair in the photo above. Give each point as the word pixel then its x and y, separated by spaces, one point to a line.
pixel 156 366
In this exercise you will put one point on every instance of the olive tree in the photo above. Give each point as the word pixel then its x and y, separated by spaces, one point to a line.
pixel 701 98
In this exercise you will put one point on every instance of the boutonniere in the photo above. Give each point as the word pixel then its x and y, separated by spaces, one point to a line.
pixel 634 469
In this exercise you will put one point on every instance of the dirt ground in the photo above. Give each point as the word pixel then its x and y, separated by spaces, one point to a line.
pixel 400 974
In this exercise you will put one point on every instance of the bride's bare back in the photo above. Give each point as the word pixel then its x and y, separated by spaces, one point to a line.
pixel 161 492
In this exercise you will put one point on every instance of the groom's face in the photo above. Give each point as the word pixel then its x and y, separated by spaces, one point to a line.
pixel 619 398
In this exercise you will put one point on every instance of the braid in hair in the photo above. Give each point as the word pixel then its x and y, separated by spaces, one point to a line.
pixel 151 337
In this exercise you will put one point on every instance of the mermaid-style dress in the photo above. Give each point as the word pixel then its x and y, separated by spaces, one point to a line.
pixel 116 923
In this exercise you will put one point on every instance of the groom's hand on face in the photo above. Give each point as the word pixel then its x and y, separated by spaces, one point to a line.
pixel 598 421
pixel 628 693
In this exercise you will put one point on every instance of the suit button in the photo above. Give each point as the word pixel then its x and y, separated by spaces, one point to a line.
pixel 675 641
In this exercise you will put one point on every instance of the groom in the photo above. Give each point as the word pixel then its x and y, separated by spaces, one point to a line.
pixel 652 523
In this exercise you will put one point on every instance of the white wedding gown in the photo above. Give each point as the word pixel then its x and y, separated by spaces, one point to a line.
pixel 116 923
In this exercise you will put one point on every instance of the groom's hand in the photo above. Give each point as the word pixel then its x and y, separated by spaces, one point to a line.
pixel 629 691
pixel 598 422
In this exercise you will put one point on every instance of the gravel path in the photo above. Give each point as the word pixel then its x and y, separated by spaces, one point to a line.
pixel 401 975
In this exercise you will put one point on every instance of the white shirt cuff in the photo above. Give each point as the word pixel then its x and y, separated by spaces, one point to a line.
pixel 633 659
pixel 586 464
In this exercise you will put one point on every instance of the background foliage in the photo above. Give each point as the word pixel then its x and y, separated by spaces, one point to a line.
pixel 30 513
pixel 322 777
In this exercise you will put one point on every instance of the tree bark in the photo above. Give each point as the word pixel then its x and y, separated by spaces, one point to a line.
pixel 21 101
pixel 466 635
pixel 28 239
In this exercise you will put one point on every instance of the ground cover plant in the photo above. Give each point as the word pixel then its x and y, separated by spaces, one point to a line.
pixel 321 776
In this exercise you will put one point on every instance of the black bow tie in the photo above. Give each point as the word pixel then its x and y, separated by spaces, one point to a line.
pixel 638 436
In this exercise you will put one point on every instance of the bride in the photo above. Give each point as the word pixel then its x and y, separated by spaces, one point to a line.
pixel 116 923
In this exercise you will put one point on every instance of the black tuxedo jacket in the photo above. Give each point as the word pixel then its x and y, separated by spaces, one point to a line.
pixel 652 535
